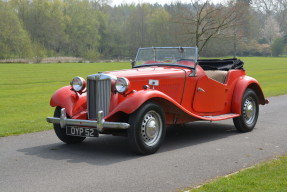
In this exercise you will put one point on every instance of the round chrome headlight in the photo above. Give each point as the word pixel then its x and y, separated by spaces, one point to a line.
pixel 122 84
pixel 78 84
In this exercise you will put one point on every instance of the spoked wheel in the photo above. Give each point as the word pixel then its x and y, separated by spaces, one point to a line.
pixel 147 128
pixel 61 133
pixel 249 112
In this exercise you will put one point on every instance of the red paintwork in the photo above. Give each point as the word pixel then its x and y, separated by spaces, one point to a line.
pixel 72 101
pixel 171 80
pixel 177 94
pixel 243 83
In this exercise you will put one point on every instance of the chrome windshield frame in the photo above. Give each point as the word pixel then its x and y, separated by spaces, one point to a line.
pixel 154 48
pixel 167 64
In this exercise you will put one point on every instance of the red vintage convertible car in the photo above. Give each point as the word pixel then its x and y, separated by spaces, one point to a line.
pixel 166 86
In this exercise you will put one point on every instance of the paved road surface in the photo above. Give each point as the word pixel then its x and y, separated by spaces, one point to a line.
pixel 189 156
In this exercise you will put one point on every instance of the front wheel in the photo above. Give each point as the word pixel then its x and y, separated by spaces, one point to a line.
pixel 61 133
pixel 249 112
pixel 147 128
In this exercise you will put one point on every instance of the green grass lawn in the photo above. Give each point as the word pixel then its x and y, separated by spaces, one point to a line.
pixel 25 89
pixel 271 72
pixel 265 177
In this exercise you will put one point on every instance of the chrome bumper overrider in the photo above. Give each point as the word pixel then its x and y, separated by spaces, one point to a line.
pixel 99 124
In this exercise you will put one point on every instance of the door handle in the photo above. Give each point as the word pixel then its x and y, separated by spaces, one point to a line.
pixel 200 90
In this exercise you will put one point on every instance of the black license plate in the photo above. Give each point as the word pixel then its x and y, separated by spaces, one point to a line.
pixel 82 131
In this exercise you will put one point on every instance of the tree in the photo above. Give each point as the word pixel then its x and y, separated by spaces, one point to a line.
pixel 275 9
pixel 277 47
pixel 115 40
pixel 271 29
pixel 205 21
pixel 136 28
pixel 158 24
pixel 14 40
pixel 82 29
pixel 268 7
pixel 281 15
pixel 241 23
pixel 46 24
pixel 93 29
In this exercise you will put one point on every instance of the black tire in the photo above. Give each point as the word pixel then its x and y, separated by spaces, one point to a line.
pixel 147 128
pixel 61 133
pixel 249 112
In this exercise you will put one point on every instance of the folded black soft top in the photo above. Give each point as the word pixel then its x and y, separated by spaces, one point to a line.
pixel 221 64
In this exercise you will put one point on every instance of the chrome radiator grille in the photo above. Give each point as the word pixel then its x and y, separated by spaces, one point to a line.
pixel 98 94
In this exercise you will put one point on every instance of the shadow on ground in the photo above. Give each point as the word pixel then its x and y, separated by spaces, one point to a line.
pixel 108 149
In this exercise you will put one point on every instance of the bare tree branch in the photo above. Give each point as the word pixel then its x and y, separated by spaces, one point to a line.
pixel 205 21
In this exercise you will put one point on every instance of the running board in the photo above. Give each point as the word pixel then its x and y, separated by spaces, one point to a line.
pixel 220 117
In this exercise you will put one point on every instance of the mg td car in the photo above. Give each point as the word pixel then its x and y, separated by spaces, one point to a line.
pixel 166 86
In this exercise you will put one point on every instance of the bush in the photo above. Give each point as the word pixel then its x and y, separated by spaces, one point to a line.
pixel 277 47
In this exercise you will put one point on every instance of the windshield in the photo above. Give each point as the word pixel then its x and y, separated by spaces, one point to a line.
pixel 165 55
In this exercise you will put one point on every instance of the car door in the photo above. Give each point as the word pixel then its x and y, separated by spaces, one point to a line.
pixel 210 96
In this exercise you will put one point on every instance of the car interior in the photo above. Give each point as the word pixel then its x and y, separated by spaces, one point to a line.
pixel 217 69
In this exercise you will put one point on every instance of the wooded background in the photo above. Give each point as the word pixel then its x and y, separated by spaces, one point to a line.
pixel 96 30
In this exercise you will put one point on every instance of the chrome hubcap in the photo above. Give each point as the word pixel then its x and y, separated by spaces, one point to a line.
pixel 151 128
pixel 249 110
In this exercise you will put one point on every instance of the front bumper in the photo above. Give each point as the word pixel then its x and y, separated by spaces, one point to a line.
pixel 100 124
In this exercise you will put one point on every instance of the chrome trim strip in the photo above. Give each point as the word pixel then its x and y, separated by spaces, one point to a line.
pixel 100 124
pixel 168 47
pixel 144 48
pixel 101 76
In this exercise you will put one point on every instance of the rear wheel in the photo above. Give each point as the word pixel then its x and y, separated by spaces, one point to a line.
pixel 249 112
pixel 147 128
pixel 61 132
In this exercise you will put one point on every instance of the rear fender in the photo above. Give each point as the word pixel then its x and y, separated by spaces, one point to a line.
pixel 73 102
pixel 242 84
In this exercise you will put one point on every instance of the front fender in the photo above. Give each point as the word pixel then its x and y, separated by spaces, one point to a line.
pixel 135 100
pixel 242 84
pixel 73 102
